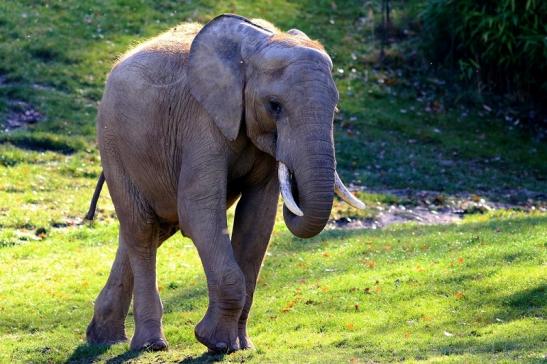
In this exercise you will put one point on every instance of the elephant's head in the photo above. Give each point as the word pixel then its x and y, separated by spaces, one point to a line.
pixel 280 85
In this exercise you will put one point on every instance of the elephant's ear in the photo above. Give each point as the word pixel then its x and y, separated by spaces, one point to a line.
pixel 216 68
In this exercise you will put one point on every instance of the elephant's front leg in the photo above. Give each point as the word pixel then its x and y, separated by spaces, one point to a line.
pixel 254 221
pixel 202 213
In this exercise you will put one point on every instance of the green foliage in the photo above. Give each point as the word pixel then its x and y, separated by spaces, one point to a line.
pixel 500 42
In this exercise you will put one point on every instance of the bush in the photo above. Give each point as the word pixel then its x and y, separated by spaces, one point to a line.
pixel 501 43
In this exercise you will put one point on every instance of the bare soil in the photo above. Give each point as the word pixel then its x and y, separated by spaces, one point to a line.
pixel 21 114
pixel 431 208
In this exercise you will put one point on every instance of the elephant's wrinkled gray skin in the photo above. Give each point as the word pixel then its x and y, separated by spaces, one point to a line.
pixel 189 122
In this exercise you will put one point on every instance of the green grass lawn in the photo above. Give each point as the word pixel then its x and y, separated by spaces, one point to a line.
pixel 469 292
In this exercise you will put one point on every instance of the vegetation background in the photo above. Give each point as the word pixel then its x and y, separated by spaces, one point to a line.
pixel 436 119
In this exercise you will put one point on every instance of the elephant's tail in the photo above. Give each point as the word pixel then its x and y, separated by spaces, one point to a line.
pixel 96 194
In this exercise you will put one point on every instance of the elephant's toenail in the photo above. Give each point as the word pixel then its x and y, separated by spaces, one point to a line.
pixel 154 346
pixel 222 347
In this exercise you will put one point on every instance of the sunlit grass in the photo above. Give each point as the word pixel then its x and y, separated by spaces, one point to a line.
pixel 474 291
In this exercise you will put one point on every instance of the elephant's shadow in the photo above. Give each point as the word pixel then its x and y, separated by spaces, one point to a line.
pixel 203 358
pixel 89 353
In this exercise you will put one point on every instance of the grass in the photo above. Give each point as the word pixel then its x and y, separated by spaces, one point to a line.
pixel 470 292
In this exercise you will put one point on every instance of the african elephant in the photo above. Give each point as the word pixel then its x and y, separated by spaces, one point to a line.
pixel 190 122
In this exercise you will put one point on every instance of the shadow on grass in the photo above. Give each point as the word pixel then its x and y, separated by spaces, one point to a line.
pixel 530 302
pixel 530 298
pixel 87 353
pixel 203 358
pixel 122 358
pixel 40 141
pixel 506 347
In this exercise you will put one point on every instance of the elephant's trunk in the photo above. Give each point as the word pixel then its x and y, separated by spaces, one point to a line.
pixel 312 186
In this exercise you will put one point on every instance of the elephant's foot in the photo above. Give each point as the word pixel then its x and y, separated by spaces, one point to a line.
pixel 218 333
pixel 244 340
pixel 105 332
pixel 245 343
pixel 148 342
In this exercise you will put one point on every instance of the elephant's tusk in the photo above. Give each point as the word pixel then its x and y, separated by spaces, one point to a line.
pixel 285 187
pixel 343 192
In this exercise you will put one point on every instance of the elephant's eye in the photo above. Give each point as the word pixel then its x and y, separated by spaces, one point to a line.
pixel 275 107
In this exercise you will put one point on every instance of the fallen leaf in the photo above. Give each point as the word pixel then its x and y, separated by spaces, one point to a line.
pixel 459 295
pixel 41 232
pixel 289 306
pixel 349 326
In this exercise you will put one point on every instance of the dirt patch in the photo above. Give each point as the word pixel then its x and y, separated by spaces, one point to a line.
pixel 398 214
pixel 21 114
pixel 430 208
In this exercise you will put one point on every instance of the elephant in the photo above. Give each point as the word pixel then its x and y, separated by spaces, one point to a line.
pixel 191 122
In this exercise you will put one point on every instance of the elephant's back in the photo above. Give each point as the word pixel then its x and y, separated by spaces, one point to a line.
pixel 145 81
pixel 159 61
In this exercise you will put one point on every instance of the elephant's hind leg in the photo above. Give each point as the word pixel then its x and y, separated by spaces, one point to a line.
pixel 112 305
pixel 148 310
pixel 133 271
